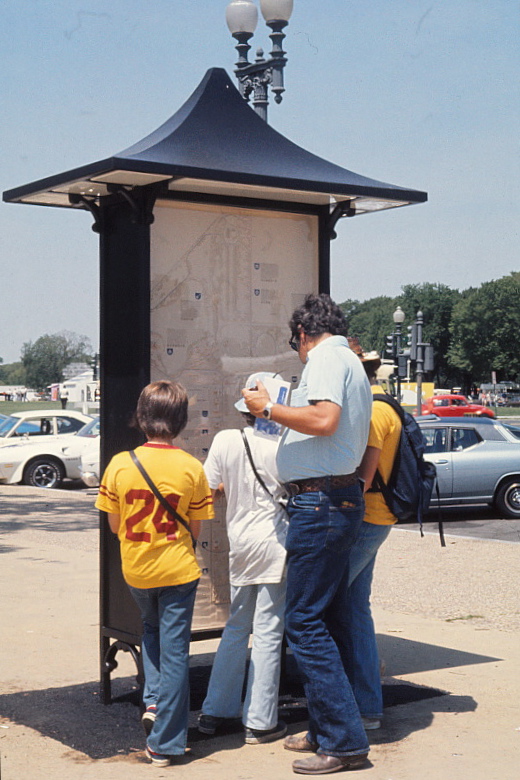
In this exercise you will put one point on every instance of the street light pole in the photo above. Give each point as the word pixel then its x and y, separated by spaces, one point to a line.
pixel 398 317
pixel 420 360
pixel 255 77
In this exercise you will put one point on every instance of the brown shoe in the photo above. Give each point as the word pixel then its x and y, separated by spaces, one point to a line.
pixel 320 764
pixel 300 744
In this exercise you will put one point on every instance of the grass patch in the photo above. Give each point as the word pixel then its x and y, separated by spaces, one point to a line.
pixel 8 407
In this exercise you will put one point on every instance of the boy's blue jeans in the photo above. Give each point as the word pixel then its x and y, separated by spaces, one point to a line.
pixel 167 614
pixel 322 529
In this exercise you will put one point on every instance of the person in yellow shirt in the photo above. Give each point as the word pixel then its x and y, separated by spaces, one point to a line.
pixel 363 662
pixel 158 557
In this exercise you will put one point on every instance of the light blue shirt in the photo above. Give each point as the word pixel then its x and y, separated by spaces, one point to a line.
pixel 332 373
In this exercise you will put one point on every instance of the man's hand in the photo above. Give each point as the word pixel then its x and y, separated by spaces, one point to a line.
pixel 256 399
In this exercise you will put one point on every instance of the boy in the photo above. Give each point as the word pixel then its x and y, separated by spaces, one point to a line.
pixel 158 557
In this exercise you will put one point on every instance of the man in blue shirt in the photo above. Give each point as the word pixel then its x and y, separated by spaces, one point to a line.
pixel 326 434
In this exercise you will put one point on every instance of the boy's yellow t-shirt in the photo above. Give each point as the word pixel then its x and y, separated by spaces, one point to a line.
pixel 156 550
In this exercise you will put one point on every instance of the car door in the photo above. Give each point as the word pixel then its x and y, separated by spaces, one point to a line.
pixel 436 442
pixel 470 458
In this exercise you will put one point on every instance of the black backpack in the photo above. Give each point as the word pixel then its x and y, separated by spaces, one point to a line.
pixel 410 486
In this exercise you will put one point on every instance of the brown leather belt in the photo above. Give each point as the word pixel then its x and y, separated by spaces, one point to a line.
pixel 315 484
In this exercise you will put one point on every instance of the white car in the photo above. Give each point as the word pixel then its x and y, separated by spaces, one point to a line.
pixel 46 461
pixel 89 464
pixel 21 427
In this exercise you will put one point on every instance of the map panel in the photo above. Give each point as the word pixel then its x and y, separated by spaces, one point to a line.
pixel 224 283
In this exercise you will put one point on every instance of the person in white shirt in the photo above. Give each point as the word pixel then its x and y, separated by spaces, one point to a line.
pixel 257 527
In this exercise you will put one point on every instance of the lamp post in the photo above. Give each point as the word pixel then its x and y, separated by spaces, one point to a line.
pixel 420 360
pixel 255 77
pixel 398 317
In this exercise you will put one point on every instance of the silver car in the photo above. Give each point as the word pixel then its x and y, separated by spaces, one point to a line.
pixel 477 461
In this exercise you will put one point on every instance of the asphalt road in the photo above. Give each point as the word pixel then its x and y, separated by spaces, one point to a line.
pixel 475 522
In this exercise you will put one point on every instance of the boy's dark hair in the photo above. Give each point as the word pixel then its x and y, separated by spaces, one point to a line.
pixel 162 410
pixel 318 314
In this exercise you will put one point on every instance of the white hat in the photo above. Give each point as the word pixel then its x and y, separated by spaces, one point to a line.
pixel 369 356
pixel 252 382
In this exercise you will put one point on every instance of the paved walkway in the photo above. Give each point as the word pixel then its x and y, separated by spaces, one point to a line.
pixel 447 619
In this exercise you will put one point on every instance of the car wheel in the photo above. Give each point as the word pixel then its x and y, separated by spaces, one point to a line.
pixel 507 499
pixel 44 473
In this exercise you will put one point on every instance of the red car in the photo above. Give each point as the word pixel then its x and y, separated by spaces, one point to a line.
pixel 455 406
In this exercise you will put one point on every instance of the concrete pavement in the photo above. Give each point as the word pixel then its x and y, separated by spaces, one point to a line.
pixel 447 619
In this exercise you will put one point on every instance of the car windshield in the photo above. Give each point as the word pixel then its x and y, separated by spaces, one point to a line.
pixel 25 427
pixel 7 424
pixel 90 429
pixel 514 430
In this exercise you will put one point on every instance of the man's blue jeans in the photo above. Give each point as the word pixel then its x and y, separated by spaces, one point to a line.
pixel 362 660
pixel 167 614
pixel 322 529
pixel 260 608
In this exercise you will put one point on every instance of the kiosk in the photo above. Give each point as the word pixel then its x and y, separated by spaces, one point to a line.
pixel 212 230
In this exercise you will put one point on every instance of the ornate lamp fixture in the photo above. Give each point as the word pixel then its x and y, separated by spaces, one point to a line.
pixel 242 18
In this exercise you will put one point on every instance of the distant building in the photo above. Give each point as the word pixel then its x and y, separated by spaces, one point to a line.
pixel 75 369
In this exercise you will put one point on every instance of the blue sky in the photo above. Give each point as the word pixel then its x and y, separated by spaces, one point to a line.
pixel 418 93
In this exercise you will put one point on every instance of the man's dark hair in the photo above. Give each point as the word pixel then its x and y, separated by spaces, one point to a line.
pixel 162 410
pixel 318 314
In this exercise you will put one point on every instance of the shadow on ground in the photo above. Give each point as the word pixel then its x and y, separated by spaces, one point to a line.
pixel 75 716
pixel 406 656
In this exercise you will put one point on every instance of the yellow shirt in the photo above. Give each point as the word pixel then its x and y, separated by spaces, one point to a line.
pixel 385 432
pixel 156 551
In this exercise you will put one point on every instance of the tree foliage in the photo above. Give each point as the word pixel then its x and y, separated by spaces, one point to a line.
pixel 12 374
pixel 436 301
pixel 45 359
pixel 485 331
pixel 473 332
pixel 369 321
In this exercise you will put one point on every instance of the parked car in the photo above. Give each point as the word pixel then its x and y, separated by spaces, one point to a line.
pixel 89 465
pixel 46 460
pixel 452 405
pixel 477 461
pixel 21 427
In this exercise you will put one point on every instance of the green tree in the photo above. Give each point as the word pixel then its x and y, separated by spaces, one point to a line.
pixel 485 331
pixel 12 374
pixel 371 321
pixel 45 359
pixel 436 301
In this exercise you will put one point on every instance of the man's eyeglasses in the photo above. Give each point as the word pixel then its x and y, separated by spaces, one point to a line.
pixel 294 343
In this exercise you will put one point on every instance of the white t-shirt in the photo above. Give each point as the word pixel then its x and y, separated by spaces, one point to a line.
pixel 256 524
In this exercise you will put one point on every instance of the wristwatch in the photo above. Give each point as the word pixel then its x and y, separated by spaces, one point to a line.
pixel 267 410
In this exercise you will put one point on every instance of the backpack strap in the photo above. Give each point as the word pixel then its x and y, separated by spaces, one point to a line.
pixel 164 503
pixel 389 399
pixel 378 485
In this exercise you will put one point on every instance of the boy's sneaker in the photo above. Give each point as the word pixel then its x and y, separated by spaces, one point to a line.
pixel 371 724
pixel 148 718
pixel 208 724
pixel 258 737
pixel 157 759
